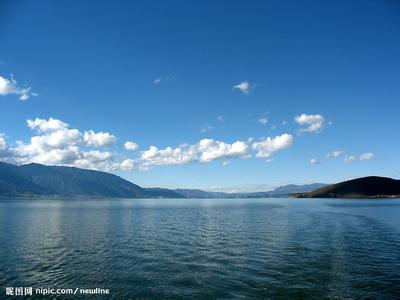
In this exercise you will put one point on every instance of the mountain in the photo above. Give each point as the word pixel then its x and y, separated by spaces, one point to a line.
pixel 13 181
pixel 294 188
pixel 35 179
pixel 164 193
pixel 39 180
pixel 365 187
pixel 196 193
pixel 282 191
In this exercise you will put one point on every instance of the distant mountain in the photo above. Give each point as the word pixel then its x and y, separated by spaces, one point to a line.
pixel 164 193
pixel 39 180
pixel 193 193
pixel 372 186
pixel 196 193
pixel 294 188
pixel 282 191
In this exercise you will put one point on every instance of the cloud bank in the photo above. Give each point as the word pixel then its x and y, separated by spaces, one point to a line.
pixel 55 143
pixel 207 150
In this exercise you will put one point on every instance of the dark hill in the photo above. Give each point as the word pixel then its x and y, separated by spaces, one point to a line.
pixel 13 181
pixel 365 187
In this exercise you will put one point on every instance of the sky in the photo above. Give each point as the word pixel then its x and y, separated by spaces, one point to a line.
pixel 218 95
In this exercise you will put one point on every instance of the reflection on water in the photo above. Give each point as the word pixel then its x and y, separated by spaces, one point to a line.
pixel 160 248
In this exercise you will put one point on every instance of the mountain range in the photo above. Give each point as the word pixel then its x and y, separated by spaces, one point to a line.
pixel 47 181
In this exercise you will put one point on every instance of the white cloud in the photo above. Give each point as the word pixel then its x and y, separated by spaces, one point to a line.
pixel 313 161
pixel 168 156
pixel 63 156
pixel 266 147
pixel 132 146
pixel 10 87
pixel 262 121
pixel 244 87
pixel 367 156
pixel 97 160
pixel 206 128
pixel 226 162
pixel 221 118
pixel 55 140
pixel 206 150
pixel 98 139
pixel 363 157
pixel 162 79
pixel 55 134
pixel 334 154
pixel 349 159
pixel 5 152
pixel 58 144
pixel 128 164
pixel 315 122
pixel 3 143
pixel 50 125
pixel 211 150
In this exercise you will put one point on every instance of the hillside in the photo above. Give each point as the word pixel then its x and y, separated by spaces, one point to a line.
pixel 365 187
pixel 40 180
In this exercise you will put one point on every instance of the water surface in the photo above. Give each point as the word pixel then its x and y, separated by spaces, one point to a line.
pixel 196 248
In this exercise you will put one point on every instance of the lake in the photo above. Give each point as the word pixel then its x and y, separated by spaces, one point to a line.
pixel 204 248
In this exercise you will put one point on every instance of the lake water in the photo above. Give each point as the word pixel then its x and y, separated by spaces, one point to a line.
pixel 194 248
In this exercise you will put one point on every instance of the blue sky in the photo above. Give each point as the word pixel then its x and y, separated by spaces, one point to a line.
pixel 163 74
